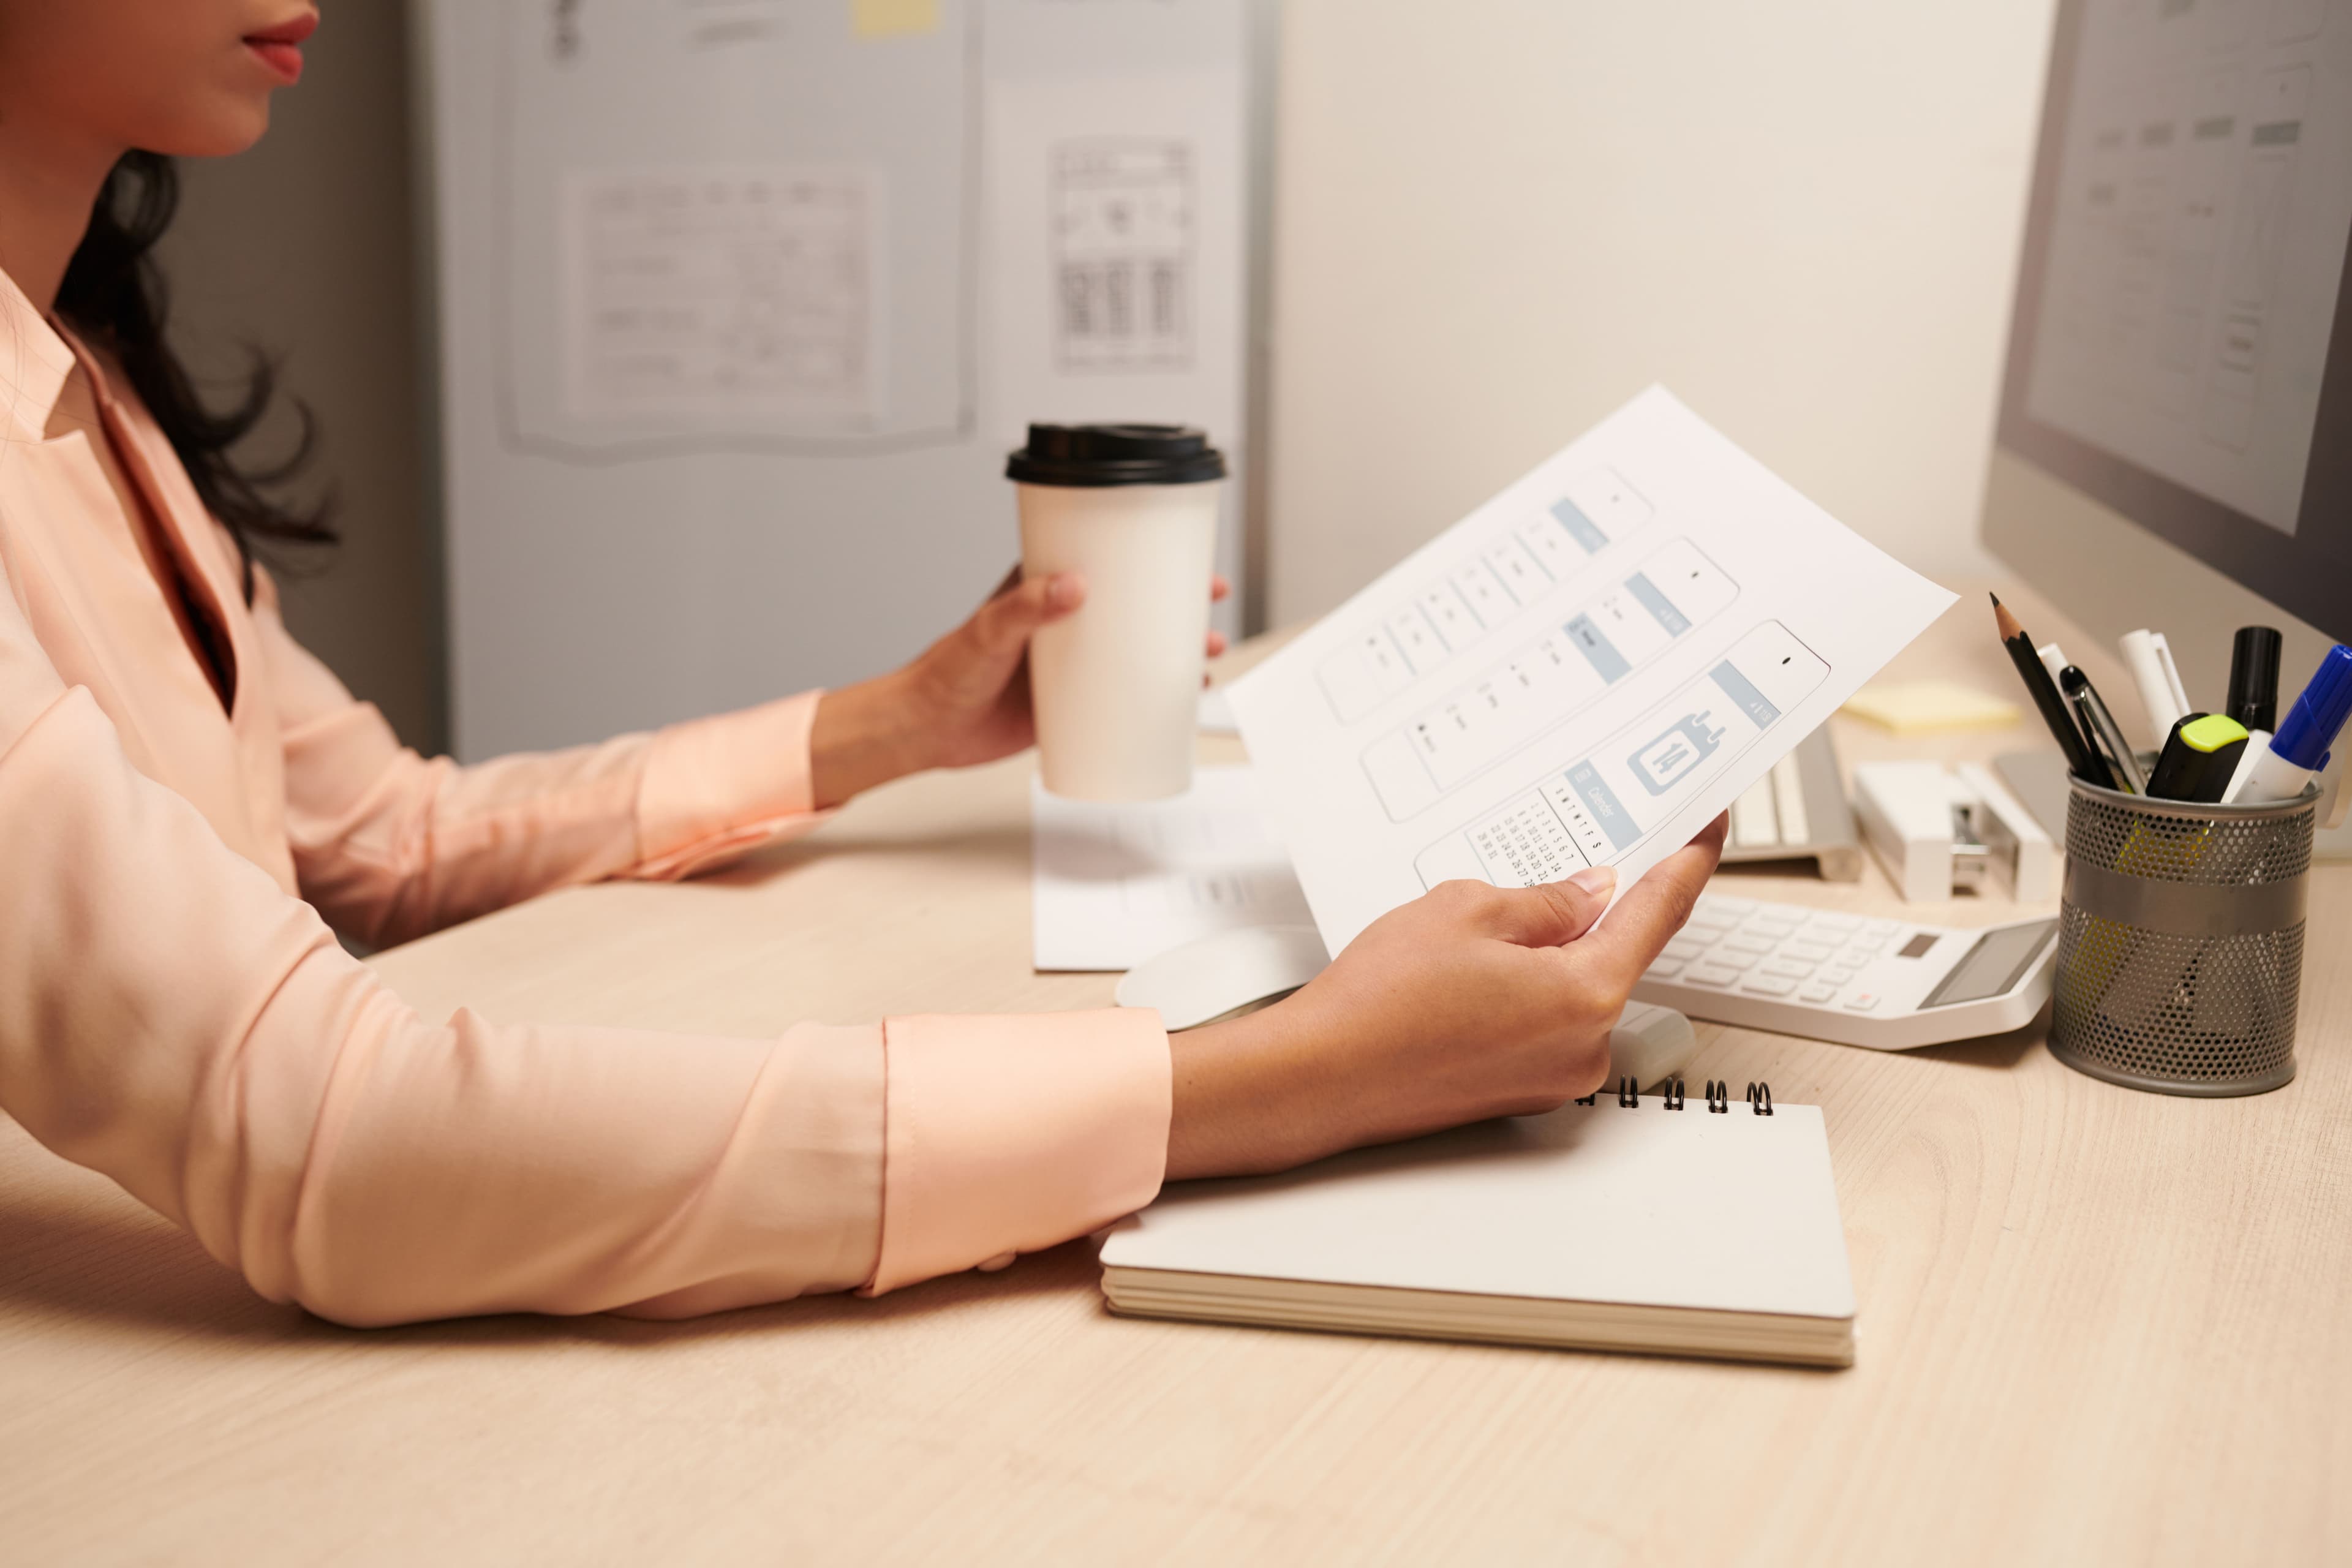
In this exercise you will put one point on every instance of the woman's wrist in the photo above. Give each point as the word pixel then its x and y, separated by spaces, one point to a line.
pixel 866 735
pixel 1246 1097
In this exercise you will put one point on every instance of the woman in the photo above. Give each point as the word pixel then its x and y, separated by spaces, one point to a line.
pixel 184 793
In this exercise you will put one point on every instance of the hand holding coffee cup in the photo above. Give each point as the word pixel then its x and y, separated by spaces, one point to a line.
pixel 1131 509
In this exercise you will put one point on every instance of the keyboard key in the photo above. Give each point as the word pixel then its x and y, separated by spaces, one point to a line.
pixel 1789 969
pixel 1728 959
pixel 1768 985
pixel 1841 924
pixel 1666 968
pixel 1686 949
pixel 1743 942
pixel 1789 801
pixel 1857 957
pixel 1770 930
pixel 1837 974
pixel 1816 994
pixel 1718 904
pixel 1810 952
pixel 1880 928
pixel 1862 1002
pixel 1710 975
pixel 1755 822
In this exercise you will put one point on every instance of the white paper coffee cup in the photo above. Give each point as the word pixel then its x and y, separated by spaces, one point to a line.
pixel 1133 510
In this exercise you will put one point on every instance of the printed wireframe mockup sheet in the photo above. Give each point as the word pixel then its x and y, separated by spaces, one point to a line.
pixel 1583 671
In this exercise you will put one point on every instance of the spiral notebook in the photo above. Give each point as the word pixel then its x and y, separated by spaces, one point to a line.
pixel 1664 1224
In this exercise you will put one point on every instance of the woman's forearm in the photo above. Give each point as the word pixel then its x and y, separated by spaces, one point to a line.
pixel 865 735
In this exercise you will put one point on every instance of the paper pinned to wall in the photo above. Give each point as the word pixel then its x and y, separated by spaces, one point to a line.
pixel 1112 886
pixel 1581 672
pixel 723 292
pixel 1125 253
pixel 1118 288
pixel 893 19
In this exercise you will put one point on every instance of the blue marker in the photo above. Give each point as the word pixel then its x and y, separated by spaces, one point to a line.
pixel 2305 733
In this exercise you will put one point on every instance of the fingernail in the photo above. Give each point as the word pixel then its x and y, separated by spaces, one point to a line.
pixel 1596 880
pixel 1067 589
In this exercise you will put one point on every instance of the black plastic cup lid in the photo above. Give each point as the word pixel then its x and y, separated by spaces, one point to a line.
pixel 1095 456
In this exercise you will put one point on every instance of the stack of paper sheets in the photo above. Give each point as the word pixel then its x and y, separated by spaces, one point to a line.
pixel 1112 886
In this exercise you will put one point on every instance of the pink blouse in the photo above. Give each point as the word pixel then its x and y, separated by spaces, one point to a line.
pixel 176 1013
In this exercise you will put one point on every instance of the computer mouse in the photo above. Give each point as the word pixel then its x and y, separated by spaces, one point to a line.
pixel 1216 714
pixel 1218 974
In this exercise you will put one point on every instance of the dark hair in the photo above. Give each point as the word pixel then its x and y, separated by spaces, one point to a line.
pixel 114 295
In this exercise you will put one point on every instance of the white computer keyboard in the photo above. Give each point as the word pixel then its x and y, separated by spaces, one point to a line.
pixel 1888 985
pixel 1798 811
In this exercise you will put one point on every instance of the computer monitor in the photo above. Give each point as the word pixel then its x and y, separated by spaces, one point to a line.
pixel 2175 441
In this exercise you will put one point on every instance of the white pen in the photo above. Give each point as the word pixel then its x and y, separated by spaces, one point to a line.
pixel 2052 658
pixel 2150 658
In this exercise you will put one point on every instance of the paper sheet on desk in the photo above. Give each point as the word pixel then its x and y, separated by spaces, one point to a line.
pixel 1584 671
pixel 1114 885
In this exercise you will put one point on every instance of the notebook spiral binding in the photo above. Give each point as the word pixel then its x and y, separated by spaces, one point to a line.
pixel 1671 1095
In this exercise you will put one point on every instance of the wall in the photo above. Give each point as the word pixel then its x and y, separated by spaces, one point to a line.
pixel 1500 218
pixel 306 246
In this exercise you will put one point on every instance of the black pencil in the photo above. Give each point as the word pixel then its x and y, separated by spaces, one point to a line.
pixel 2081 761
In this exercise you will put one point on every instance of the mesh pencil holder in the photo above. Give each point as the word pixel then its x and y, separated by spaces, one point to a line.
pixel 2181 942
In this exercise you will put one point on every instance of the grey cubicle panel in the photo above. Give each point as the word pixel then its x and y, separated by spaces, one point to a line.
pixel 740 305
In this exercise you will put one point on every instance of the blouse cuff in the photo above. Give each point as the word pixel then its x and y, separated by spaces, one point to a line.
pixel 715 789
pixel 1011 1133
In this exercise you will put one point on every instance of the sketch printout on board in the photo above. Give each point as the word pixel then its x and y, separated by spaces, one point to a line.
pixel 716 292
pixel 1123 253
pixel 1581 672
pixel 1114 885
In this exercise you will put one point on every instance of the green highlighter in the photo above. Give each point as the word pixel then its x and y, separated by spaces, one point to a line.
pixel 2199 757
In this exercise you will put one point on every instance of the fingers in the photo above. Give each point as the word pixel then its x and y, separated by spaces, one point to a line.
pixel 1217 643
pixel 1219 589
pixel 1652 910
pixel 1551 913
pixel 1713 833
pixel 1006 622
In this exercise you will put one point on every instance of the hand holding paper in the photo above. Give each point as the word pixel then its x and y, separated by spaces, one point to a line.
pixel 1475 1003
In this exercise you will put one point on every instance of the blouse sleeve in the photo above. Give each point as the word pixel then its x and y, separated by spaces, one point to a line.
pixel 170 1016
pixel 390 844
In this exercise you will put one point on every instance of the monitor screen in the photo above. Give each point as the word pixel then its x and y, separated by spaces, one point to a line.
pixel 2182 347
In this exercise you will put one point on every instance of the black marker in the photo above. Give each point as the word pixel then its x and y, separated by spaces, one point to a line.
pixel 2253 678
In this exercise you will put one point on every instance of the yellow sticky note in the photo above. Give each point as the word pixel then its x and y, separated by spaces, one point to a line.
pixel 1922 707
pixel 893 19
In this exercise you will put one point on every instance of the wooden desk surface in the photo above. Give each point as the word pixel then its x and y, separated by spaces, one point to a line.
pixel 2095 1325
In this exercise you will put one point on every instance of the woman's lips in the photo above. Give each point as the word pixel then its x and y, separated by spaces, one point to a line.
pixel 281 47
pixel 286 59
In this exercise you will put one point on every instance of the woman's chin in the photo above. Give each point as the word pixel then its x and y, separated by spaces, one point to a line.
pixel 222 129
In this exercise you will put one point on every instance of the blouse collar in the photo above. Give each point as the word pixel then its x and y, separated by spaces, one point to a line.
pixel 34 362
